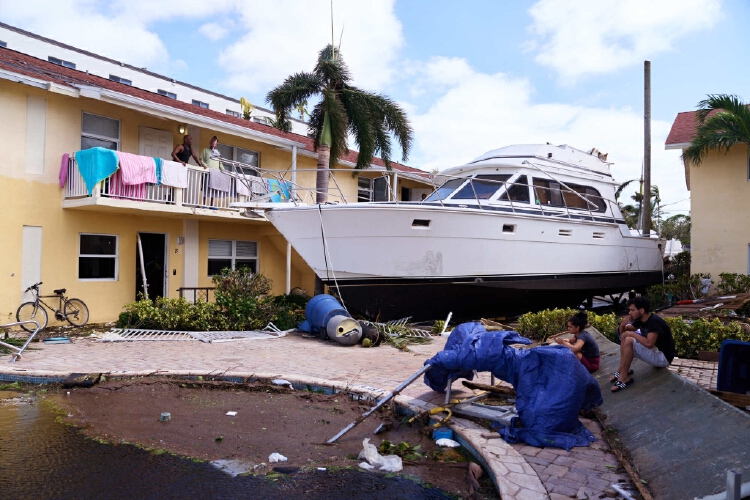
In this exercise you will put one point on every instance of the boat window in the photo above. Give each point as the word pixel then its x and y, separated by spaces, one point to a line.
pixel 445 190
pixel 519 191
pixel 481 187
pixel 573 196
pixel 596 198
pixel 547 193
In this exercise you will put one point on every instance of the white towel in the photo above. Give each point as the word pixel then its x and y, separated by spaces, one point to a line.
pixel 259 186
pixel 219 181
pixel 174 174
pixel 242 182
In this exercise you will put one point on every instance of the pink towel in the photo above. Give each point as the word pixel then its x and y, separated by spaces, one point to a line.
pixel 64 170
pixel 116 188
pixel 137 169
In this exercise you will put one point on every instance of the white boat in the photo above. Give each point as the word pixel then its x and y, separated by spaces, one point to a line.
pixel 518 228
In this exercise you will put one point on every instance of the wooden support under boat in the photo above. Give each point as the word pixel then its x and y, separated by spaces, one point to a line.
pixel 733 398
pixel 497 389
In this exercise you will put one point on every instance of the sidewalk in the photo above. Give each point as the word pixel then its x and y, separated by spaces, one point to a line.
pixel 520 470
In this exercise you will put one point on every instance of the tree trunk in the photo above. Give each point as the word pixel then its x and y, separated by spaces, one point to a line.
pixel 321 180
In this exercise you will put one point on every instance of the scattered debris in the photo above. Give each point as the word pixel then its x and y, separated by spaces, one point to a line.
pixel 384 427
pixel 85 380
pixel 282 382
pixel 375 461
pixel 447 443
pixel 442 433
pixel 231 414
pixel 165 416
pixel 232 467
pixel 276 457
pixel 57 340
pixel 131 334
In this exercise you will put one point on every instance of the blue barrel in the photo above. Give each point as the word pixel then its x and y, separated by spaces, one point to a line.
pixel 319 312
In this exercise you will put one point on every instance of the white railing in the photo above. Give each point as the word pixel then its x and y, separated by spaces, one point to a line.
pixel 200 194
pixel 74 185
pixel 113 187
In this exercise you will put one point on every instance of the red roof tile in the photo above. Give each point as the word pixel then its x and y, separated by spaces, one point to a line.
pixel 17 62
pixel 683 128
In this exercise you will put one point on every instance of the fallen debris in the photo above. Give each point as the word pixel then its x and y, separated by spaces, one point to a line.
pixel 376 461
pixel 282 382
pixel 85 380
pixel 497 389
pixel 447 443
pixel 276 457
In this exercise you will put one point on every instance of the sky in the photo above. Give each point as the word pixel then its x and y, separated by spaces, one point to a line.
pixel 473 76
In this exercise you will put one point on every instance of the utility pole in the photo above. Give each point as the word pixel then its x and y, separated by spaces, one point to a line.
pixel 646 198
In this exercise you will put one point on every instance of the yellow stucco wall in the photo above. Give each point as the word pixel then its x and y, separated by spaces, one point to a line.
pixel 720 213
pixel 36 200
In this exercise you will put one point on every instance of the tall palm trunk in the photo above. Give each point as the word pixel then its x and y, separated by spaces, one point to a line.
pixel 321 179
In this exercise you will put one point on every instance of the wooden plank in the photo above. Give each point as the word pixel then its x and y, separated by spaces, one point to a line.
pixel 733 398
pixel 497 389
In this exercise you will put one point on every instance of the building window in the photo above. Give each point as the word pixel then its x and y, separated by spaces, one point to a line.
pixel 372 189
pixel 97 257
pixel 249 158
pixel 100 131
pixel 263 120
pixel 3 44
pixel 120 80
pixel 171 95
pixel 236 114
pixel 61 62
pixel 230 254
pixel 364 190
pixel 202 104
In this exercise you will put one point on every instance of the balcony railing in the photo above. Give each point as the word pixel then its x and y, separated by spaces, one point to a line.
pixel 197 194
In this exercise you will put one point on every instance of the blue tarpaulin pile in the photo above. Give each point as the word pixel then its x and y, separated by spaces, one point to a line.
pixel 551 385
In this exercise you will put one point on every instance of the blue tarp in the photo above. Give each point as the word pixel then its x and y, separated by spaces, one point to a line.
pixel 551 384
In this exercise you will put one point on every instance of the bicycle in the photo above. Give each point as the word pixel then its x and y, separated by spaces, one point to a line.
pixel 73 310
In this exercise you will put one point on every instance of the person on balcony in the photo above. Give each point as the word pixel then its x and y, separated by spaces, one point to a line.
pixel 210 155
pixel 184 151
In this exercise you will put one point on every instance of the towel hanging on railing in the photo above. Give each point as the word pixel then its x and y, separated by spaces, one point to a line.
pixel 63 176
pixel 137 169
pixel 95 165
pixel 174 174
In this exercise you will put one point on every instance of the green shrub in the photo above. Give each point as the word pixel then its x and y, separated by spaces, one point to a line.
pixel 683 287
pixel 171 314
pixel 731 283
pixel 543 324
pixel 704 335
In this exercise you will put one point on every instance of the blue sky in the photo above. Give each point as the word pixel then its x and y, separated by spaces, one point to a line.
pixel 473 76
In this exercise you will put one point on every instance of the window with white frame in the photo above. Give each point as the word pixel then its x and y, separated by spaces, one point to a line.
pixel 118 79
pixel 165 93
pixel 364 189
pixel 250 158
pixel 97 257
pixel 100 131
pixel 236 114
pixel 61 62
pixel 232 254
pixel 202 104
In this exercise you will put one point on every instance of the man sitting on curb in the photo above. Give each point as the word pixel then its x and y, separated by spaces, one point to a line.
pixel 645 336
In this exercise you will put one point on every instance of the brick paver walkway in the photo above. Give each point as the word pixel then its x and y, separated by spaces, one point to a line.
pixel 703 373
pixel 581 471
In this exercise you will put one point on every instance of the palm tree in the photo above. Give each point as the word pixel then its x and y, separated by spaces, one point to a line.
pixel 723 122
pixel 371 118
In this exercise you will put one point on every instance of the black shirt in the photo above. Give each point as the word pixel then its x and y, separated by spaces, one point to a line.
pixel 590 348
pixel 185 154
pixel 664 340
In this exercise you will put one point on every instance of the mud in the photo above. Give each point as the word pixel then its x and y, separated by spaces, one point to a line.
pixel 269 419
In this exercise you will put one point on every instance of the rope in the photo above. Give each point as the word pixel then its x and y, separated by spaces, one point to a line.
pixel 327 258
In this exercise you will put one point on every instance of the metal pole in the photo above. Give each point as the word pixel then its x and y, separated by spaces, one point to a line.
pixel 383 401
pixel 646 198
pixel 288 268
pixel 143 267
pixel 294 172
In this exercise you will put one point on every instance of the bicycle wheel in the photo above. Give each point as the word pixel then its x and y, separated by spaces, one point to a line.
pixel 31 311
pixel 76 312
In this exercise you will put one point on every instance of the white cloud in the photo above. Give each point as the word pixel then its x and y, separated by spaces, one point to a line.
pixel 213 31
pixel 83 24
pixel 285 36
pixel 578 37
pixel 479 112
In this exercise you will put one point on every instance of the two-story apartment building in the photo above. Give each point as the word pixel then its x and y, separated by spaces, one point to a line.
pixel 719 209
pixel 54 231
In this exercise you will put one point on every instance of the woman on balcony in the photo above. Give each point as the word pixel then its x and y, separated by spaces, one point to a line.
pixel 210 155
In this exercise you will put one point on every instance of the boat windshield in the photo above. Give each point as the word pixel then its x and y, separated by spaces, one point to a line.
pixel 481 187
pixel 445 190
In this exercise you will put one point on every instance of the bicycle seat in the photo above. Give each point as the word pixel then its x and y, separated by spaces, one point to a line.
pixel 59 291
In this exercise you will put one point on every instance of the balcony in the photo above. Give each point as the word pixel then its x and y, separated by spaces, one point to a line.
pixel 197 199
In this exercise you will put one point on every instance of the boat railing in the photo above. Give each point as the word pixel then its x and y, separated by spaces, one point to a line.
pixel 593 204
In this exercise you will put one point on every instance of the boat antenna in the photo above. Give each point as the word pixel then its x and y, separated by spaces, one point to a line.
pixel 333 46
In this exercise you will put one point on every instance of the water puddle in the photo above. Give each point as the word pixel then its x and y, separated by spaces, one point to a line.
pixel 42 458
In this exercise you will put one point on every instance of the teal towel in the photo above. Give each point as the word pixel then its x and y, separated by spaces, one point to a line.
pixel 159 162
pixel 279 190
pixel 95 165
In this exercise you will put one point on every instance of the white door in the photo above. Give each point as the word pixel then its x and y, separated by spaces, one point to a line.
pixel 31 259
pixel 155 143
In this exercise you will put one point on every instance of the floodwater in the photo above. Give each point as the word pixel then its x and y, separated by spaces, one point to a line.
pixel 41 458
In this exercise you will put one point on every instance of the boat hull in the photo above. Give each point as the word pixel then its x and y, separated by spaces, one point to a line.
pixel 397 260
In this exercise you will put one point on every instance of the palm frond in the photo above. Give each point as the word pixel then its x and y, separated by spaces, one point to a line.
pixel 295 90
pixel 338 121
pixel 621 187
pixel 724 121
pixel 362 126
pixel 334 72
